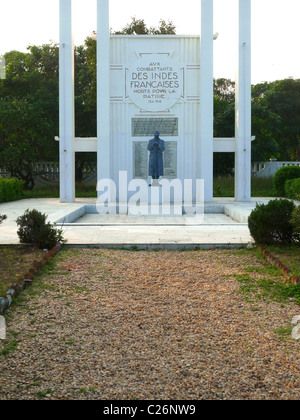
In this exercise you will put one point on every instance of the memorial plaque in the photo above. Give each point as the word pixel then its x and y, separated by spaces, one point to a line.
pixel 145 127
pixel 141 160
pixel 170 160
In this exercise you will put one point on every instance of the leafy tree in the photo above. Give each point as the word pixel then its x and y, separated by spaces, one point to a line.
pixel 29 110
pixel 139 27
pixel 86 88
pixel 266 128
pixel 224 89
pixel 21 144
pixel 224 120
pixel 85 102
pixel 266 123
pixel 260 90
pixel 165 28
pixel 283 99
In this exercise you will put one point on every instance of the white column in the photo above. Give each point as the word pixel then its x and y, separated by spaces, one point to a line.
pixel 243 106
pixel 66 104
pixel 103 90
pixel 205 150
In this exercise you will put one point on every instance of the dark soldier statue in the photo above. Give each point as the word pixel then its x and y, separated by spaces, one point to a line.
pixel 156 147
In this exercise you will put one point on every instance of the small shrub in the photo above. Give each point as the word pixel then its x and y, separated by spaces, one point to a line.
pixel 33 229
pixel 292 188
pixel 2 218
pixel 271 223
pixel 296 219
pixel 282 176
pixel 11 189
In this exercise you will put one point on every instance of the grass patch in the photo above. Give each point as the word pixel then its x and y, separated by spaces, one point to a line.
pixel 40 284
pixel 261 187
pixel 289 255
pixel 49 191
pixel 223 187
pixel 14 263
pixel 80 289
pixel 273 289
pixel 43 394
pixel 284 332
pixel 9 346
pixel 52 191
pixel 266 281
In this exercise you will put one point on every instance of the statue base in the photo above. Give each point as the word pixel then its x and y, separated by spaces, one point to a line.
pixel 155 183
pixel 158 204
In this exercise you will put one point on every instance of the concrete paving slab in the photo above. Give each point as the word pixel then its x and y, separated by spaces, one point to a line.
pixel 106 220
pixel 118 230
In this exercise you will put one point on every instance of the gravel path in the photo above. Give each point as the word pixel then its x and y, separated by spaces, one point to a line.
pixel 148 325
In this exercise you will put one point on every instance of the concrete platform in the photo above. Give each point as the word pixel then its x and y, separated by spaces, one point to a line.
pixel 223 224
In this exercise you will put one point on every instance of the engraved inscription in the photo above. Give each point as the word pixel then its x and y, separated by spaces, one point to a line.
pixel 170 160
pixel 145 127
pixel 141 160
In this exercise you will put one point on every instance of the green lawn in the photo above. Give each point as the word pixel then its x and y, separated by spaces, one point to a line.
pixel 15 262
pixel 52 191
pixel 223 187
pixel 289 255
pixel 261 187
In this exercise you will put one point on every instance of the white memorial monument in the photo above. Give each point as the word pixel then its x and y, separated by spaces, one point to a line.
pixel 148 83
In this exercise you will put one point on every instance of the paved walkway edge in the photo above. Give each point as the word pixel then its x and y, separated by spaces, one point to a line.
pixel 153 247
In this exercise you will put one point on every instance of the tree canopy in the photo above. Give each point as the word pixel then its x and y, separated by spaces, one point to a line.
pixel 29 110
pixel 275 119
pixel 139 27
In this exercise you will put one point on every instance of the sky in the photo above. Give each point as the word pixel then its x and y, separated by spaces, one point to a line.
pixel 275 29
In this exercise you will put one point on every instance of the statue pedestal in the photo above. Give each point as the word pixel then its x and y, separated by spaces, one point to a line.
pixel 159 204
pixel 155 183
pixel 155 198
